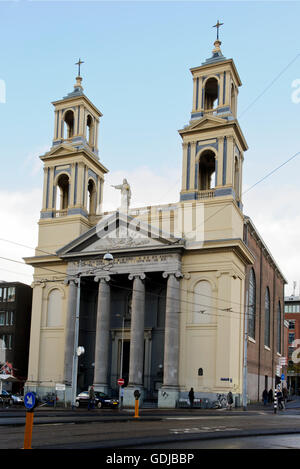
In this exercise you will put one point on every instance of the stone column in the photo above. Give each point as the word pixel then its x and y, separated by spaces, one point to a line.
pixel 102 336
pixel 168 393
pixel 70 331
pixel 136 340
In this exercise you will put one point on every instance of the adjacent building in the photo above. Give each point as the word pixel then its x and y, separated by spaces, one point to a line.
pixel 15 320
pixel 168 313
pixel 292 315
pixel 265 297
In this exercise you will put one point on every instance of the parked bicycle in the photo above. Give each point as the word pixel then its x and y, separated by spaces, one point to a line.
pixel 221 402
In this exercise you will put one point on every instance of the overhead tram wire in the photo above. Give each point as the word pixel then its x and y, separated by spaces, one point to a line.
pixel 157 283
pixel 240 314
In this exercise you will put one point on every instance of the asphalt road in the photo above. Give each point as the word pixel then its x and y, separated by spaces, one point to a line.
pixel 79 429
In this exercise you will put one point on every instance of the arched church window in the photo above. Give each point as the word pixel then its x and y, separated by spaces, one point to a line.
pixel 211 93
pixel 251 304
pixel 267 317
pixel 91 208
pixel 279 327
pixel 90 129
pixel 69 124
pixel 233 99
pixel 202 303
pixel 54 309
pixel 62 192
pixel 207 168
pixel 236 178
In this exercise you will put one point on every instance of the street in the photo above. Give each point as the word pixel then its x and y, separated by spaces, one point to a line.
pixel 177 429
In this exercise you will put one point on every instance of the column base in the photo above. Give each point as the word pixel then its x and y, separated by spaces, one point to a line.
pixel 168 397
pixel 129 399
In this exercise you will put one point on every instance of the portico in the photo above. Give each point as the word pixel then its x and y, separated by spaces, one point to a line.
pixel 139 299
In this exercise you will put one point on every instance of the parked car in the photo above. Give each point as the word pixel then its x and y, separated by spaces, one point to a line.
pixel 101 400
pixel 6 398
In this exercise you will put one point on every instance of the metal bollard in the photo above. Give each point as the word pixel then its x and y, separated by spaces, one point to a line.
pixel 275 401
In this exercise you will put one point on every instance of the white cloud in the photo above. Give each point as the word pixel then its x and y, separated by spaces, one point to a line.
pixel 20 210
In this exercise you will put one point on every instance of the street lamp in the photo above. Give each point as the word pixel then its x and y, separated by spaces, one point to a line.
pixel 108 260
pixel 122 348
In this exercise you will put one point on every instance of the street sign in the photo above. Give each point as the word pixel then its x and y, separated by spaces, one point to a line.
pixel 282 377
pixel 121 381
pixel 29 400
pixel 60 387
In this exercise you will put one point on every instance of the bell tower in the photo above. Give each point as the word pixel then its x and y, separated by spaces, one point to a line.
pixel 213 143
pixel 73 173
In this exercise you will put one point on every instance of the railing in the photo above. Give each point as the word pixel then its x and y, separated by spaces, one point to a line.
pixel 60 213
pixel 208 194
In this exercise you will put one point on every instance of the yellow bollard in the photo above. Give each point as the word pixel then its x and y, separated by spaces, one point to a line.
pixel 28 430
pixel 136 409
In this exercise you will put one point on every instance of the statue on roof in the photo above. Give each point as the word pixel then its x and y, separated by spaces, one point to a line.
pixel 125 195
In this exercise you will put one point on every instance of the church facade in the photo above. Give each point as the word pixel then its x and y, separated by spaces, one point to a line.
pixel 155 295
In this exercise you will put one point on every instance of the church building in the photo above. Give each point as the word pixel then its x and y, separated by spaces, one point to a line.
pixel 154 295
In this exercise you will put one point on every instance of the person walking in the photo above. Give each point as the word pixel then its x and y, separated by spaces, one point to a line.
pixel 91 403
pixel 270 396
pixel 265 397
pixel 229 400
pixel 191 397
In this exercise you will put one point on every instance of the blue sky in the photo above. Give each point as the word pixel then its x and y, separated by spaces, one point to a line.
pixel 137 58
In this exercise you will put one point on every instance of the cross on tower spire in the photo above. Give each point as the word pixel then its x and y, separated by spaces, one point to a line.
pixel 79 63
pixel 218 26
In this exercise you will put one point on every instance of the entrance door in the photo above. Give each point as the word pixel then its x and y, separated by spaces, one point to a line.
pixel 126 356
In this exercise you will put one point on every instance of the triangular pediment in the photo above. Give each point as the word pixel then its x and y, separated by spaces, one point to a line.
pixel 119 232
pixel 205 122
pixel 60 150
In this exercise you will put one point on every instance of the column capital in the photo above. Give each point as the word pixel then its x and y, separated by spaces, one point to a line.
pixel 75 280
pixel 38 283
pixel 102 278
pixel 142 276
pixel 176 274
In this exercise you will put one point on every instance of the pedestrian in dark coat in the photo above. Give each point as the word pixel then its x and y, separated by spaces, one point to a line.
pixel 270 396
pixel 191 397
pixel 91 403
pixel 229 400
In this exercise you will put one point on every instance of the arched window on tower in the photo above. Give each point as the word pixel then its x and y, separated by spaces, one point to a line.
pixel 207 169
pixel 267 317
pixel 62 192
pixel 233 94
pixel 236 178
pixel 68 124
pixel 211 94
pixel 251 304
pixel 90 130
pixel 91 199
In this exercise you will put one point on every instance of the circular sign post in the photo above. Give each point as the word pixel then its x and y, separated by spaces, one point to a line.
pixel 30 403
pixel 121 381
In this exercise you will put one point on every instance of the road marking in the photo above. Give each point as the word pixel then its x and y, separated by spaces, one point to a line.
pixel 178 431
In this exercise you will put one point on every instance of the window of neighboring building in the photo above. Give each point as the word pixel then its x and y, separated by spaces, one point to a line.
pixel 11 318
pixel 11 294
pixel 292 324
pixel 291 337
pixel 267 318
pixel 251 304
pixel 1 293
pixel 4 293
pixel 2 318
